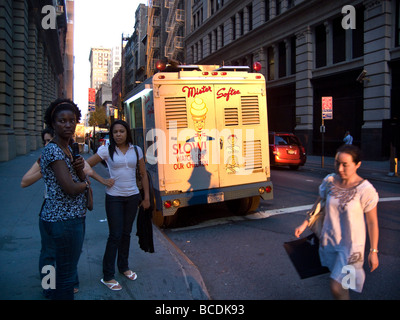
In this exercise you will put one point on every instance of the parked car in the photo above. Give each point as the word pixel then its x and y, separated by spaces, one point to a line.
pixel 104 139
pixel 285 149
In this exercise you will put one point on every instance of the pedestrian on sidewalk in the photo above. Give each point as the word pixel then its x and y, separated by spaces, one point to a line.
pixel 63 212
pixel 342 242
pixel 122 199
pixel 47 251
pixel 348 139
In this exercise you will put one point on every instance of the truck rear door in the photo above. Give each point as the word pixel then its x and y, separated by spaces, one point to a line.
pixel 241 117
pixel 190 121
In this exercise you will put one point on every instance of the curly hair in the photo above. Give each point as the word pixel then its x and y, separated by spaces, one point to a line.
pixel 58 105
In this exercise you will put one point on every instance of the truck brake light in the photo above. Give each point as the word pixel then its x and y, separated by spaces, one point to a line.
pixel 160 65
pixel 257 66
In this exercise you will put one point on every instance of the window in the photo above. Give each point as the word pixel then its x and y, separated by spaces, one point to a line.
pixel 397 25
pixel 338 40
pixel 250 16
pixel 221 29
pixel 271 63
pixel 233 23
pixel 282 59
pixel 278 7
pixel 293 55
pixel 266 8
pixel 358 33
pixel 320 46
pixel 241 20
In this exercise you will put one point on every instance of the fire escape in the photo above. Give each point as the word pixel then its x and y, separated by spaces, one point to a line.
pixel 153 36
pixel 174 27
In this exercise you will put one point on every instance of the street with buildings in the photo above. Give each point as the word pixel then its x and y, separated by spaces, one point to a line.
pixel 209 255
pixel 348 51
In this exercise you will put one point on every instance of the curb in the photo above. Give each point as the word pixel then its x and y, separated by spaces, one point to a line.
pixel 193 279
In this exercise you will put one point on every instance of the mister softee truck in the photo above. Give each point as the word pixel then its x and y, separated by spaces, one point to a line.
pixel 204 132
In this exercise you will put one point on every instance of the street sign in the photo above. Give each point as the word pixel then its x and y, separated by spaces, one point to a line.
pixel 92 100
pixel 327 108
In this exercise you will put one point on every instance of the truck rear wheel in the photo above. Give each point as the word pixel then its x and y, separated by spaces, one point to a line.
pixel 244 205
pixel 164 222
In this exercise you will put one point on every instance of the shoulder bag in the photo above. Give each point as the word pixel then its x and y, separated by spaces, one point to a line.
pixel 316 217
pixel 138 177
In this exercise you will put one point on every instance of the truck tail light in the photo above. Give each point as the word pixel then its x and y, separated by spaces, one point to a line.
pixel 257 66
pixel 174 203
pixel 167 204
pixel 268 189
pixel 160 65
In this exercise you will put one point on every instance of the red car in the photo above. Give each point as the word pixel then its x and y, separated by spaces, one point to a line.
pixel 285 149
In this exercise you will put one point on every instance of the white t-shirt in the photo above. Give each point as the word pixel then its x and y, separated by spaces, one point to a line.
pixel 122 169
pixel 343 233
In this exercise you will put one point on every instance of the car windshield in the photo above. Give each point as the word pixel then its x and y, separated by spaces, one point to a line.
pixel 286 140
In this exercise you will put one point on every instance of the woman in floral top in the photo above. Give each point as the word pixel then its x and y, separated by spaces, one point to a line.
pixel 349 198
pixel 63 213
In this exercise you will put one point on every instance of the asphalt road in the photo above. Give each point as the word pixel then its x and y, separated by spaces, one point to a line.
pixel 244 258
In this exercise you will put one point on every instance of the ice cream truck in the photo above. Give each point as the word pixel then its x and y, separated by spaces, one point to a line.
pixel 204 133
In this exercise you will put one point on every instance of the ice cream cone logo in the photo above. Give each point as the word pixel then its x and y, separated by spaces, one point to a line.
pixel 198 111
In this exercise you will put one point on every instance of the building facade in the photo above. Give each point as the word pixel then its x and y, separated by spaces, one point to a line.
pixel 33 48
pixel 99 58
pixel 310 49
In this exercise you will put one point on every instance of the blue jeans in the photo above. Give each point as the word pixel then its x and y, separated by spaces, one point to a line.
pixel 48 254
pixel 121 212
pixel 67 237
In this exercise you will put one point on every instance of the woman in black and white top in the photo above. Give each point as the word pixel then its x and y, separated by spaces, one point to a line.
pixel 122 199
pixel 63 212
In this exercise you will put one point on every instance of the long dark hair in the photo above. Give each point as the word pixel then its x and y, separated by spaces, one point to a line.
pixel 111 147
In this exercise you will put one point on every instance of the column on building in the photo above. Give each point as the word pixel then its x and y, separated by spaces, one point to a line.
pixel 39 89
pixel 7 139
pixel 34 135
pixel 377 88
pixel 304 91
pixel 20 75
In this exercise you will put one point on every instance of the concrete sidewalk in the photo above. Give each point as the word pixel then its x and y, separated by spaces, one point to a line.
pixel 166 274
pixel 371 170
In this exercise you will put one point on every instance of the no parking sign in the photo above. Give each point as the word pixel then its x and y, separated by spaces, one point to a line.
pixel 327 108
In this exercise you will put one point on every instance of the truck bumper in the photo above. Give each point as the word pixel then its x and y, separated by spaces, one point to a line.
pixel 186 199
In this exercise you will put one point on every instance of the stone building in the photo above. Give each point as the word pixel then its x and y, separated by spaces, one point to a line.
pixel 33 46
pixel 309 49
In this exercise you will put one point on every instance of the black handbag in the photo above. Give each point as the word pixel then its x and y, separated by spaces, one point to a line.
pixel 304 254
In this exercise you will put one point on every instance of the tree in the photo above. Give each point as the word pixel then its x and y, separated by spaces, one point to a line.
pixel 98 118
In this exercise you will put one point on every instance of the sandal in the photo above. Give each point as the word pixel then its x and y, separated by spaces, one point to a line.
pixel 114 286
pixel 131 275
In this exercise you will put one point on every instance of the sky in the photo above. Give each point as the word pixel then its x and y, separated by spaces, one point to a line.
pixel 97 23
